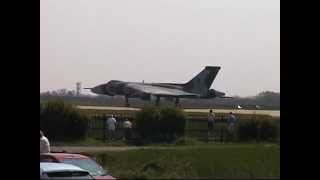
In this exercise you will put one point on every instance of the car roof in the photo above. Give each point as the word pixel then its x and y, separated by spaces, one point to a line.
pixel 62 156
pixel 58 167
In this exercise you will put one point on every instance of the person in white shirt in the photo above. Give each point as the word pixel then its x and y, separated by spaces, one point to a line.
pixel 127 126
pixel 111 123
pixel 44 143
pixel 231 125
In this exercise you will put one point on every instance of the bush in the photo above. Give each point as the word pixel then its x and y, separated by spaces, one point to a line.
pixel 160 124
pixel 268 130
pixel 258 130
pixel 147 122
pixel 61 121
pixel 173 122
pixel 247 130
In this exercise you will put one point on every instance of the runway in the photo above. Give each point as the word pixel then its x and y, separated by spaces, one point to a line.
pixel 275 113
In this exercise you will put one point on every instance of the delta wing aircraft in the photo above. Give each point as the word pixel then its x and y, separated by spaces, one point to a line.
pixel 198 87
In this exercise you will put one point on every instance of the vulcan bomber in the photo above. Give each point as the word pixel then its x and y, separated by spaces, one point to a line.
pixel 197 87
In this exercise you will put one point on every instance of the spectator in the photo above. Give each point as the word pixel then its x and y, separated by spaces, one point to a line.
pixel 44 143
pixel 211 121
pixel 231 124
pixel 111 123
pixel 127 126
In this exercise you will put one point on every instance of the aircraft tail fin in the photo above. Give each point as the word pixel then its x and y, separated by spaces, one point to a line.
pixel 203 81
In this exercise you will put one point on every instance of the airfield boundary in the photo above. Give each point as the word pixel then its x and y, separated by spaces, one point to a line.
pixel 196 127
pixel 237 111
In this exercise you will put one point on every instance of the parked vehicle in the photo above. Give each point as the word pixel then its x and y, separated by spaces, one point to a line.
pixel 79 160
pixel 62 171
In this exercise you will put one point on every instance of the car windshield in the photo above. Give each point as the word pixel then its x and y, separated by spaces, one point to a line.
pixel 87 164
pixel 69 175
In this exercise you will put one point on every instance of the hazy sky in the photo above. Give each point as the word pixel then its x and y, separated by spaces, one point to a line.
pixel 94 41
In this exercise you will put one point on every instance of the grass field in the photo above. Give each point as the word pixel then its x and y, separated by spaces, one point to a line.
pixel 202 161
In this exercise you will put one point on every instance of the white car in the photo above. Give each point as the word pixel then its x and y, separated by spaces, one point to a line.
pixel 62 171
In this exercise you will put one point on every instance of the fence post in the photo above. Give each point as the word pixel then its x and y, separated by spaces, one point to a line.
pixel 88 128
pixel 220 134
pixel 104 128
pixel 259 133
pixel 222 129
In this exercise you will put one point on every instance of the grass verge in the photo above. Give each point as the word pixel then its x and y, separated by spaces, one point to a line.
pixel 204 161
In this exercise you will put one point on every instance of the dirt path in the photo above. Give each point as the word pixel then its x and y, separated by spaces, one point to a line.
pixel 85 149
pixel 93 148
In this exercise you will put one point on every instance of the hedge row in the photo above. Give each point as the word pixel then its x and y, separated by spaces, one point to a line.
pixel 258 130
pixel 62 122
pixel 164 124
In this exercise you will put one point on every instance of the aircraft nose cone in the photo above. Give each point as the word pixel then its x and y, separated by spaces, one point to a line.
pixel 97 90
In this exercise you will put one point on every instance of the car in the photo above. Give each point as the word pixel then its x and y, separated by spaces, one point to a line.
pixel 79 160
pixel 50 171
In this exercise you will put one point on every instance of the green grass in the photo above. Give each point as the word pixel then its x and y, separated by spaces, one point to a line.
pixel 202 161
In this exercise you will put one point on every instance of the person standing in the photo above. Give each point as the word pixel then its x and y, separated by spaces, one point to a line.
pixel 211 121
pixel 44 144
pixel 127 126
pixel 111 123
pixel 231 124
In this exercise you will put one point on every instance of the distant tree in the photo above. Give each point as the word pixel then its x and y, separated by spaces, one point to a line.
pixel 71 93
pixel 62 92
pixel 268 98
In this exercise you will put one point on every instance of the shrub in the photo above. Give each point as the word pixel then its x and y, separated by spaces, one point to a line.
pixel 247 130
pixel 268 130
pixel 160 124
pixel 264 130
pixel 61 121
pixel 147 122
pixel 173 122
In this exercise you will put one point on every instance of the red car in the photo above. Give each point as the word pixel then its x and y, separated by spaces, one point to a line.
pixel 79 160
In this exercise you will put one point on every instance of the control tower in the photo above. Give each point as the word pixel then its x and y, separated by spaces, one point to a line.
pixel 78 91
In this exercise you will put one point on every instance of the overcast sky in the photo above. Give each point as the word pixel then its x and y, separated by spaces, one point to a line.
pixel 94 41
